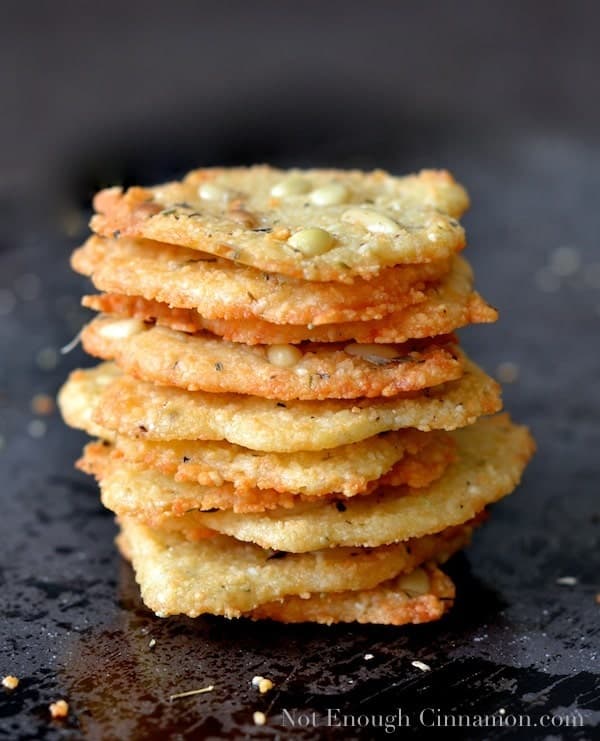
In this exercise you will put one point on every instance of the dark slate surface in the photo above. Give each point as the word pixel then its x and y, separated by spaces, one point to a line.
pixel 74 625
pixel 502 93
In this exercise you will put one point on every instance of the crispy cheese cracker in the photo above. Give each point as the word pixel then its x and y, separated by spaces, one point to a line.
pixel 123 404
pixel 135 490
pixel 388 603
pixel 321 371
pixel 220 289
pixel 447 306
pixel 255 215
pixel 491 457
pixel 223 576
pixel 347 470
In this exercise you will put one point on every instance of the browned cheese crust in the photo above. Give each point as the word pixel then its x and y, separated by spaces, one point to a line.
pixel 220 289
pixel 444 307
pixel 237 214
pixel 204 362
pixel 386 604
pixel 133 489
pixel 117 403
pixel 222 576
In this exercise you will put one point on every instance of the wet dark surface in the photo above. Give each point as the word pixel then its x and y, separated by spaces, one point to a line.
pixel 505 95
pixel 73 625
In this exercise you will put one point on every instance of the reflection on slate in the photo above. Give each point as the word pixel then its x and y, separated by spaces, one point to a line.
pixel 73 623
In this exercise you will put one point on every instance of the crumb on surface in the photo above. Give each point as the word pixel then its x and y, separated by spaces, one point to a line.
pixel 567 581
pixel 59 709
pixel 152 643
pixel 368 657
pixel 10 682
pixel 263 684
pixel 190 693
pixel 421 665
pixel 259 718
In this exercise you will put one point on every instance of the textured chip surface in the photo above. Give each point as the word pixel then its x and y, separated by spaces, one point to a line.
pixel 223 576
pixel 133 489
pixel 133 408
pixel 204 362
pixel 444 307
pixel 220 289
pixel 491 457
pixel 348 469
pixel 385 604
pixel 244 222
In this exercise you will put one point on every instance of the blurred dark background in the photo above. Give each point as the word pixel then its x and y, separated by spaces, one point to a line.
pixel 113 90
pixel 506 95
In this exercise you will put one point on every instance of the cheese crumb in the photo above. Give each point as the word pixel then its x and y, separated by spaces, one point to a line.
pixel 421 665
pixel 259 718
pixel 10 682
pixel 59 709
pixel 368 657
pixel 567 581
pixel 152 643
pixel 264 686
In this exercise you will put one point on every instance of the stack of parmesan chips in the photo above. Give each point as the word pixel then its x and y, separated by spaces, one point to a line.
pixel 287 427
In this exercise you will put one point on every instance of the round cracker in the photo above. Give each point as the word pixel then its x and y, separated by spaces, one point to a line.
pixel 133 408
pixel 203 362
pixel 385 604
pixel 347 470
pixel 447 306
pixel 223 576
pixel 250 226
pixel 491 457
pixel 220 289
pixel 133 489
